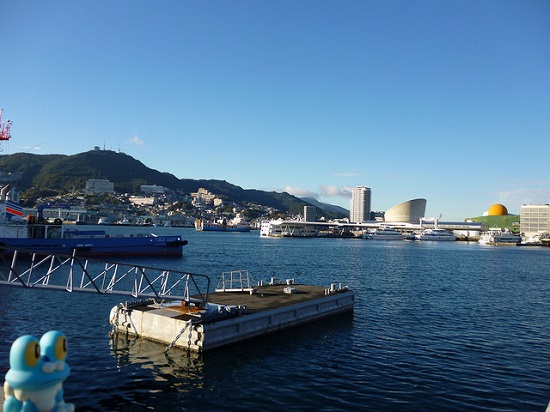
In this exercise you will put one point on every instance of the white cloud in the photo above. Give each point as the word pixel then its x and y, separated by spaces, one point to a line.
pixel 300 192
pixel 331 190
pixel 325 191
pixel 524 196
pixel 136 140
pixel 27 149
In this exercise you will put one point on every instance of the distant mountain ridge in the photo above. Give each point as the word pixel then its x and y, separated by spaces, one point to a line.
pixel 325 206
pixel 44 175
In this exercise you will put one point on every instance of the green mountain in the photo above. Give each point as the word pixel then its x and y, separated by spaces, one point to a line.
pixel 49 175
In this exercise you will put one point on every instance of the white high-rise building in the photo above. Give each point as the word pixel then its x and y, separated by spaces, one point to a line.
pixel 360 205
pixel 309 213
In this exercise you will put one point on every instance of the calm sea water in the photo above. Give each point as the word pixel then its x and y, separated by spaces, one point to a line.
pixel 437 326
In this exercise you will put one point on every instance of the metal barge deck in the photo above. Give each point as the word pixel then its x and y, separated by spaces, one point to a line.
pixel 230 317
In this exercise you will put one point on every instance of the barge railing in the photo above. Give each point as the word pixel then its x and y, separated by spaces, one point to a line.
pixel 236 281
pixel 80 274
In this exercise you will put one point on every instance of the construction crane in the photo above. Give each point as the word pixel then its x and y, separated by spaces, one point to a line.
pixel 4 128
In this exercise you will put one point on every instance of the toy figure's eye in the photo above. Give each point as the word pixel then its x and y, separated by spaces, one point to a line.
pixel 32 354
pixel 61 347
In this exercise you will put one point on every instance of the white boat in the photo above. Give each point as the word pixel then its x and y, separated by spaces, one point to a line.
pixel 384 233
pixel 238 224
pixel 436 234
pixel 499 237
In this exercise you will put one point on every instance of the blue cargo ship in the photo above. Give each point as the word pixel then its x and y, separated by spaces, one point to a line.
pixel 30 235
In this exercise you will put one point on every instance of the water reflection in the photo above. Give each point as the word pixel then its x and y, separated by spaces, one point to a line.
pixel 150 355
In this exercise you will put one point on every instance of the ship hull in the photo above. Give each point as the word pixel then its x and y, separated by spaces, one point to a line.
pixel 213 228
pixel 99 247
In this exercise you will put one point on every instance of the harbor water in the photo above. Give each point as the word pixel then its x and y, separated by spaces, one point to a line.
pixel 448 326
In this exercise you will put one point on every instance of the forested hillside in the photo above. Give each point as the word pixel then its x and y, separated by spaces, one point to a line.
pixel 48 175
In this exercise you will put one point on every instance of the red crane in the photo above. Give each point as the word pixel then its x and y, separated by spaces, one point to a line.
pixel 4 128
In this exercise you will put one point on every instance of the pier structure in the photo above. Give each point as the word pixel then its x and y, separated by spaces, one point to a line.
pixel 302 228
pixel 231 317
pixel 176 307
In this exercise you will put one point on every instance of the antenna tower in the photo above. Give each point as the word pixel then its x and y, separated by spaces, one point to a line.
pixel 4 128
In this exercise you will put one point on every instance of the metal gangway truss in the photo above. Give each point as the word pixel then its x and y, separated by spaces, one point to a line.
pixel 74 273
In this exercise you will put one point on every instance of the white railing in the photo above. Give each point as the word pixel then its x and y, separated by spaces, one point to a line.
pixel 78 274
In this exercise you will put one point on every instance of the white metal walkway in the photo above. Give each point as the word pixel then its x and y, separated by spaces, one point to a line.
pixel 79 274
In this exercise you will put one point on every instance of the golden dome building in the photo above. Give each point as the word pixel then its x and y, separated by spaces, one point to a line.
pixel 406 212
pixel 497 216
pixel 497 210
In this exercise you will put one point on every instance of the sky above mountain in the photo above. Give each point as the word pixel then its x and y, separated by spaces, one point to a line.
pixel 443 100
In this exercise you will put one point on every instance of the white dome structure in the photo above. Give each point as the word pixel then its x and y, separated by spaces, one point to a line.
pixel 406 212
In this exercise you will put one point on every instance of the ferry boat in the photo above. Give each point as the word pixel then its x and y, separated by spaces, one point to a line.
pixel 238 224
pixel 499 237
pixel 30 236
pixel 34 235
pixel 384 233
pixel 436 234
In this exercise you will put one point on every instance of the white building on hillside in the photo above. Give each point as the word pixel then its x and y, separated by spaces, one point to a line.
pixel 96 186
pixel 143 200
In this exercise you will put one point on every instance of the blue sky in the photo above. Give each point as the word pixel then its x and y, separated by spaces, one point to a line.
pixel 445 100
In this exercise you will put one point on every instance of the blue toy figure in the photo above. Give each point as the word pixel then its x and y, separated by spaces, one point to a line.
pixel 37 371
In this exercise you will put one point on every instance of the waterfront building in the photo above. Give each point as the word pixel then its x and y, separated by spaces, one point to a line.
pixel 534 219
pixel 360 204
pixel 97 186
pixel 406 212
pixel 310 214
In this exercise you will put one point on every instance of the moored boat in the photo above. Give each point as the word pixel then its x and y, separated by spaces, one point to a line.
pixel 499 237
pixel 34 235
pixel 237 224
pixel 384 233
pixel 436 234
pixel 54 238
